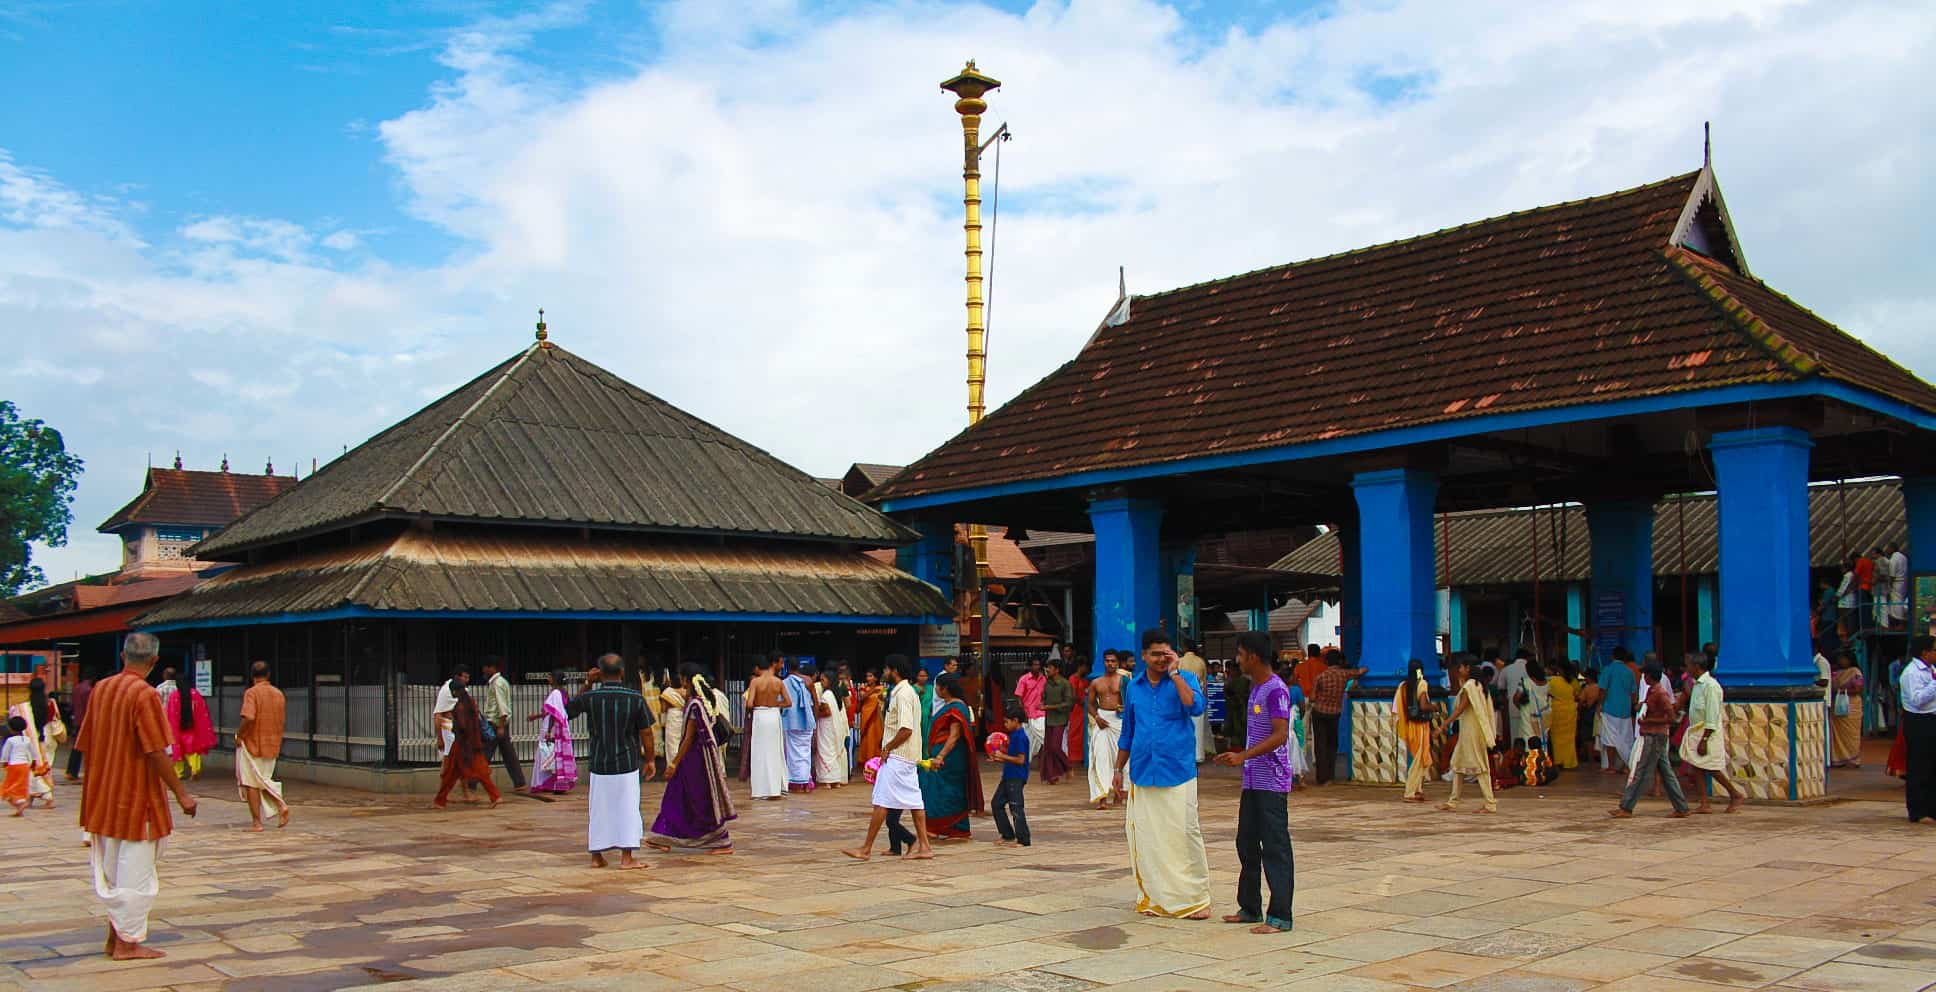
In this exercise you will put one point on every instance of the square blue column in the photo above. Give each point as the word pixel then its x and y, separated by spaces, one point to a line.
pixel 1455 621
pixel 1397 584
pixel 932 560
pixel 1919 500
pixel 1129 573
pixel 1350 594
pixel 1762 475
pixel 1576 619
pixel 1704 609
pixel 1177 564
pixel 1622 536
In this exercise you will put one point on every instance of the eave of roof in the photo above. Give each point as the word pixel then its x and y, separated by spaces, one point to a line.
pixel 427 575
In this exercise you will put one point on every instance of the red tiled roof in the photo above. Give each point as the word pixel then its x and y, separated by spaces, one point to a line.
pixel 204 499
pixel 1558 306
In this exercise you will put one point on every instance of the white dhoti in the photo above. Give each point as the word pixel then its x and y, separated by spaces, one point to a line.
pixel 125 881
pixel 769 771
pixel 615 817
pixel 252 772
pixel 1102 754
pixel 897 785
pixel 1716 758
pixel 799 758
pixel 1166 850
pixel 1038 728
pixel 1617 732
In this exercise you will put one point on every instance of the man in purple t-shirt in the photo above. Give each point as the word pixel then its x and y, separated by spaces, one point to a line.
pixel 1263 813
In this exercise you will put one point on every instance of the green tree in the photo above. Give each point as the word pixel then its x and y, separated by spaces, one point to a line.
pixel 37 478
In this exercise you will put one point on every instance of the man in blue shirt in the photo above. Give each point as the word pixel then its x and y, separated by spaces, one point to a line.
pixel 1158 747
pixel 1621 685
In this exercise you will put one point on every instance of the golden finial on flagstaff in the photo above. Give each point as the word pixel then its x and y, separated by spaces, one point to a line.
pixel 543 337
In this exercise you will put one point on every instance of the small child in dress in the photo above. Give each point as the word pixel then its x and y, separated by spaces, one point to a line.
pixel 1015 772
pixel 17 755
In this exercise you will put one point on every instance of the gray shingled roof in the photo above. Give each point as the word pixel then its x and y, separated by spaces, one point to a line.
pixel 547 437
pixel 1491 547
pixel 539 573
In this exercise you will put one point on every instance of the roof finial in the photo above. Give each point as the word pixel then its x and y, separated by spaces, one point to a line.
pixel 225 461
pixel 269 467
pixel 1122 281
pixel 542 335
pixel 1707 146
pixel 178 459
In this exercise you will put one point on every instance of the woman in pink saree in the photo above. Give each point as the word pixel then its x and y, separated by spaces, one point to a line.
pixel 194 731
pixel 556 767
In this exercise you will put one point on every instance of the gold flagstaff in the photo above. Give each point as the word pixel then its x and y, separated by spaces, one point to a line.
pixel 969 87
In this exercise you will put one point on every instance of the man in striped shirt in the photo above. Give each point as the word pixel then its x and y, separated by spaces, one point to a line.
pixel 620 727
pixel 123 809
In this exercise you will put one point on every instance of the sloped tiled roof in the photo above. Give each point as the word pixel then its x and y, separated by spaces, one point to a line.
pixel 876 474
pixel 1492 547
pixel 1558 306
pixel 547 437
pixel 197 499
pixel 545 573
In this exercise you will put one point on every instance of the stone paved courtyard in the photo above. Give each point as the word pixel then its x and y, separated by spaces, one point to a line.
pixel 1549 896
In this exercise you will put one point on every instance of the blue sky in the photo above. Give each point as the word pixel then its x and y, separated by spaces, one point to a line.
pixel 269 231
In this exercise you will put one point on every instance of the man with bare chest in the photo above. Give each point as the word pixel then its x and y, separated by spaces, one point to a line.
pixel 767 697
pixel 1104 704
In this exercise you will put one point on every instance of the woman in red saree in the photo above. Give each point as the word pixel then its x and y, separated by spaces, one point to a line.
pixel 951 777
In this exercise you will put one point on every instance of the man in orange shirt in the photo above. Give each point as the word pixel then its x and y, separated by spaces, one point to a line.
pixel 123 809
pixel 1308 670
pixel 258 741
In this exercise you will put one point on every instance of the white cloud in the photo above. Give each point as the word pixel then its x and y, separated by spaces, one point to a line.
pixel 761 223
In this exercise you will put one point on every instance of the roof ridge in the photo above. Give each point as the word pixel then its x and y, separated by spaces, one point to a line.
pixel 384 497
pixel 1736 312
pixel 1396 242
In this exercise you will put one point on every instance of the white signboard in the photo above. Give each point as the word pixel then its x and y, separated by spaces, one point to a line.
pixel 204 677
pixel 939 640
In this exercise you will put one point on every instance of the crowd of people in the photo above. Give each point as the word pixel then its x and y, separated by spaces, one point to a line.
pixel 1141 726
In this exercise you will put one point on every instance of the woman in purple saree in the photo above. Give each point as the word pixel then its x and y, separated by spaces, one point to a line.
pixel 556 767
pixel 695 809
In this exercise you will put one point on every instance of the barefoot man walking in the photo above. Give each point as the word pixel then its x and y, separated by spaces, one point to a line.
pixel 1105 709
pixel 257 743
pixel 620 728
pixel 1159 742
pixel 897 785
pixel 123 808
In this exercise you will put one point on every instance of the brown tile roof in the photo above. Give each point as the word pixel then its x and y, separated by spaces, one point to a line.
pixel 1491 547
pixel 1557 306
pixel 548 437
pixel 197 499
pixel 547 573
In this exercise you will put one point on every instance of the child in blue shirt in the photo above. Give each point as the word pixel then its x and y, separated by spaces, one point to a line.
pixel 1015 771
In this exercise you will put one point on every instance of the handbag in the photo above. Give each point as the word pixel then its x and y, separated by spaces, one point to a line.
pixel 1841 704
pixel 488 731
pixel 55 730
pixel 1415 710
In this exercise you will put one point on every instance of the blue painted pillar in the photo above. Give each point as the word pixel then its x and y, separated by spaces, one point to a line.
pixel 1704 609
pixel 1129 573
pixel 1762 477
pixel 1455 620
pixel 1576 619
pixel 1398 584
pixel 932 560
pixel 1350 597
pixel 1622 535
pixel 1179 594
pixel 1259 619
pixel 1919 500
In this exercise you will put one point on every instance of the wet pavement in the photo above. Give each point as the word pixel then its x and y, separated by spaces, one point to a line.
pixel 1548 896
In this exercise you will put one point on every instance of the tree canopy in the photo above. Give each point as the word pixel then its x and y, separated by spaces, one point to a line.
pixel 37 479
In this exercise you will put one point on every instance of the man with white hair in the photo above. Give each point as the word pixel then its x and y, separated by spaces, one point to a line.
pixel 123 810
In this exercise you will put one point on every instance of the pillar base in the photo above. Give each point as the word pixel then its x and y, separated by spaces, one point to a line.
pixel 1777 744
